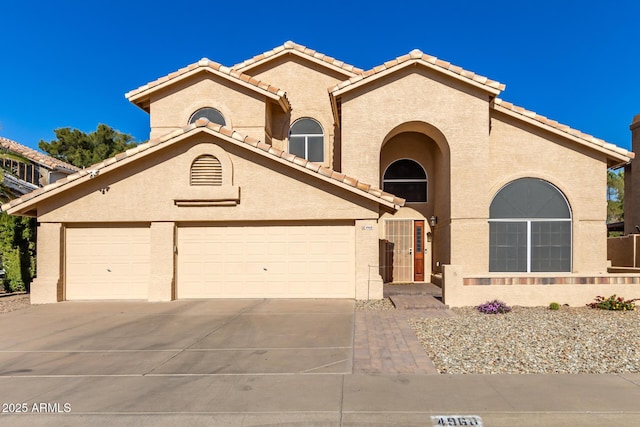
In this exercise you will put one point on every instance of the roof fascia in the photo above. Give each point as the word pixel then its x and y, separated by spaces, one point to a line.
pixel 141 98
pixel 149 148
pixel 371 76
pixel 606 148
pixel 302 55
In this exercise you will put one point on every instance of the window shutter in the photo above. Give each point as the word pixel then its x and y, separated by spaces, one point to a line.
pixel 206 170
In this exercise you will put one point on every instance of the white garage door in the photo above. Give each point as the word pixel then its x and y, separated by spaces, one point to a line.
pixel 294 261
pixel 107 263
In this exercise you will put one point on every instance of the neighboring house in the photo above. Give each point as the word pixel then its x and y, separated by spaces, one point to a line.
pixel 259 182
pixel 38 170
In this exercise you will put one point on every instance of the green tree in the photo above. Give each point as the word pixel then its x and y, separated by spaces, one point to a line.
pixel 18 251
pixel 85 149
pixel 615 196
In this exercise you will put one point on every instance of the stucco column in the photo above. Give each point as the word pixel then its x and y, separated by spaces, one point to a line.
pixel 368 279
pixel 162 277
pixel 452 285
pixel 47 287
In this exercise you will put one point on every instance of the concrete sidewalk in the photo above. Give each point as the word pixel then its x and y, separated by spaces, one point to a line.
pixel 325 399
pixel 265 362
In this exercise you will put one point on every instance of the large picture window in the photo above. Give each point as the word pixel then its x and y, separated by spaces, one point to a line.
pixel 306 140
pixel 407 179
pixel 530 228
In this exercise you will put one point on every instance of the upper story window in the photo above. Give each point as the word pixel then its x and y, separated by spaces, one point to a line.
pixel 212 114
pixel 24 171
pixel 206 170
pixel 530 228
pixel 407 179
pixel 306 139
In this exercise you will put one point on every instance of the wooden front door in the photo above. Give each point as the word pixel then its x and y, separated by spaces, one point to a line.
pixel 418 253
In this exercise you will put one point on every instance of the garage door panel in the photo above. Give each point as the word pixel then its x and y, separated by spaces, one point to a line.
pixel 266 261
pixel 107 263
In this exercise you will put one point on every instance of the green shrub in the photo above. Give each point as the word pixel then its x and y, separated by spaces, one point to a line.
pixel 17 251
pixel 613 303
pixel 554 306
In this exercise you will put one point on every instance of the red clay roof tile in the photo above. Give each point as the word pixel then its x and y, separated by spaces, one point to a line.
pixel 501 105
pixel 206 64
pixel 34 155
pixel 433 62
pixel 265 148
pixel 291 47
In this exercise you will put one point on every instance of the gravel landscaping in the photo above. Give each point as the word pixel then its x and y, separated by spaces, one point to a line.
pixel 533 340
pixel 14 302
pixel 375 304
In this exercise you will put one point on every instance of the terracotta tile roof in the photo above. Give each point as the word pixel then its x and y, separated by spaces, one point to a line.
pixel 137 95
pixel 255 145
pixel 416 56
pixel 303 51
pixel 544 122
pixel 35 156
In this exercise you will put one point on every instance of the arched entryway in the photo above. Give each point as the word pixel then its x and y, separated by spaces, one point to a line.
pixel 414 165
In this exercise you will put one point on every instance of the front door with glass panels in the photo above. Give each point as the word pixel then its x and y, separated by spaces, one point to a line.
pixel 418 254
pixel 407 238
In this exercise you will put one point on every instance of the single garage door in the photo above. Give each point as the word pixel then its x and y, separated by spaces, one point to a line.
pixel 274 261
pixel 107 263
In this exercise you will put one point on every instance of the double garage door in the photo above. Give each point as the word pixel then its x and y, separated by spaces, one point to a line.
pixel 272 261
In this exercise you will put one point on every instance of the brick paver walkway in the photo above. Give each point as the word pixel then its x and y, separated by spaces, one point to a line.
pixel 384 343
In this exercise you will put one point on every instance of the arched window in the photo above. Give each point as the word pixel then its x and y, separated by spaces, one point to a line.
pixel 206 170
pixel 530 228
pixel 306 139
pixel 407 179
pixel 212 114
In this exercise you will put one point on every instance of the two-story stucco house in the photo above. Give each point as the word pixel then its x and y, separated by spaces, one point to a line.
pixel 295 175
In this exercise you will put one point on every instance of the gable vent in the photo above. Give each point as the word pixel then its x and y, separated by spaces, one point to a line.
pixel 206 170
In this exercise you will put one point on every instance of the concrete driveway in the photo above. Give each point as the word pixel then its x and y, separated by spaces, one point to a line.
pixel 181 338
pixel 259 362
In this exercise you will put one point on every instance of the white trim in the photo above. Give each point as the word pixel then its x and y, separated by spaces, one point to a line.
pixel 306 140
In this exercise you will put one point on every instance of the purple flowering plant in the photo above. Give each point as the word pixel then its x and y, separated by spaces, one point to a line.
pixel 493 307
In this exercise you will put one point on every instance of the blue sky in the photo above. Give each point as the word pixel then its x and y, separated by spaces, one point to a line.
pixel 69 63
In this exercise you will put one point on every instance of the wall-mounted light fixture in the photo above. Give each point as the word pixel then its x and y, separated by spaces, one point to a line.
pixel 433 220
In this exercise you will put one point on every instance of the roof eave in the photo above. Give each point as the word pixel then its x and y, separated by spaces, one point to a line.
pixel 246 67
pixel 141 96
pixel 28 203
pixel 614 158
pixel 365 78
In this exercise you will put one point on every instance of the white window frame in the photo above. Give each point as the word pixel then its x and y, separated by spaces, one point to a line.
pixel 528 221
pixel 306 137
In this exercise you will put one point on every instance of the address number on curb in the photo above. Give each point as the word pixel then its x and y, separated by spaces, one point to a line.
pixel 456 420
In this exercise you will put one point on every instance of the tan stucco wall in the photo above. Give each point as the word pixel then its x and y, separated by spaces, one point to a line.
pixel 242 108
pixel 145 192
pixel 372 112
pixel 453 115
pixel 306 85
pixel 519 150
pixel 458 295
pixel 47 287
pixel 368 280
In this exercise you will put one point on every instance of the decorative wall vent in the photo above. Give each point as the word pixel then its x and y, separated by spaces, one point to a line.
pixel 206 170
